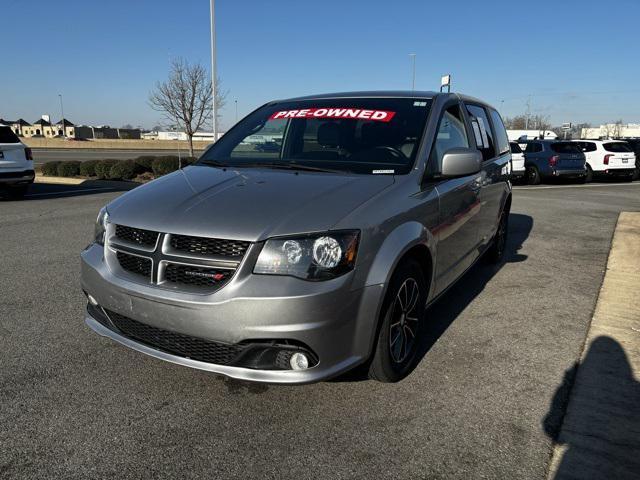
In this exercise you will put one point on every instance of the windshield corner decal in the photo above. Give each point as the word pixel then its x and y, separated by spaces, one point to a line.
pixel 353 113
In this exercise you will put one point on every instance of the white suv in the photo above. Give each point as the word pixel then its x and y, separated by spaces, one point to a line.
pixel 517 162
pixel 608 157
pixel 16 164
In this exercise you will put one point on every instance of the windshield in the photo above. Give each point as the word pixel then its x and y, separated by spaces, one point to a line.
pixel 359 135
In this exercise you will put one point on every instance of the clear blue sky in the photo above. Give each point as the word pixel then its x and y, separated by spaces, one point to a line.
pixel 578 60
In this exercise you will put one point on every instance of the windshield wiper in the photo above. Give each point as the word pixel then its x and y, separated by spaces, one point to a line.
pixel 280 166
pixel 214 163
pixel 306 168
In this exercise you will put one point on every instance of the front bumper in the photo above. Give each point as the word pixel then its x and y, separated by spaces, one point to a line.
pixel 334 320
pixel 20 177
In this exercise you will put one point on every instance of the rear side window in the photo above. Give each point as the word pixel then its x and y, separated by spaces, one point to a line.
pixel 482 131
pixel 515 148
pixel 587 146
pixel 7 136
pixel 565 147
pixel 533 147
pixel 617 147
pixel 502 141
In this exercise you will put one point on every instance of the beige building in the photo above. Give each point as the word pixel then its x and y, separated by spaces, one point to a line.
pixel 612 130
pixel 48 130
pixel 17 126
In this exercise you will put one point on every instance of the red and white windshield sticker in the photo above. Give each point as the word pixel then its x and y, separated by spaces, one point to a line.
pixel 353 113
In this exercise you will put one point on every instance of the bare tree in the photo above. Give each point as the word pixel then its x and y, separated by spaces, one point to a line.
pixel 185 97
pixel 617 129
pixel 540 123
pixel 612 130
pixel 515 123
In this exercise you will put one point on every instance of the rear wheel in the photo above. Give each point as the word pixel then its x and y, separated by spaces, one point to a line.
pixel 499 243
pixel 402 318
pixel 636 174
pixel 533 175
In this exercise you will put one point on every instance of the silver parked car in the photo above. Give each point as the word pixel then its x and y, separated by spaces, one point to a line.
pixel 297 263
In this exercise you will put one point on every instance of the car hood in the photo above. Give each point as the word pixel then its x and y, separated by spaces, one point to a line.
pixel 244 204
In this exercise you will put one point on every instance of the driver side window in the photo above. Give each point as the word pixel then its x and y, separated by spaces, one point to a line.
pixel 451 134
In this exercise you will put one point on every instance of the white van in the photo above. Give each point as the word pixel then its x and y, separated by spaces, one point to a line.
pixel 608 157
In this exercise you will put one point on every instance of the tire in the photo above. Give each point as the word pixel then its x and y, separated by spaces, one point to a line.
pixel 533 175
pixel 589 177
pixel 17 193
pixel 401 316
pixel 636 174
pixel 495 253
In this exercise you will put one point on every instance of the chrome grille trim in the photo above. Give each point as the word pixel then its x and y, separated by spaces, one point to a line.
pixel 162 256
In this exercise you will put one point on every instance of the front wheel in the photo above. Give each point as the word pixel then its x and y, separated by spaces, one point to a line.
pixel 402 319
pixel 589 177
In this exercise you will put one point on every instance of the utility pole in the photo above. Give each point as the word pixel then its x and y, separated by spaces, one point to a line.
pixel 64 130
pixel 236 102
pixel 526 118
pixel 413 75
pixel 213 71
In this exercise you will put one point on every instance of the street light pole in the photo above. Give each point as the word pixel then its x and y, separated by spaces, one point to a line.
pixel 213 71
pixel 64 130
pixel 413 77
pixel 236 101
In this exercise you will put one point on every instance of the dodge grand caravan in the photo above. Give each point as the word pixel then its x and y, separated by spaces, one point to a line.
pixel 297 263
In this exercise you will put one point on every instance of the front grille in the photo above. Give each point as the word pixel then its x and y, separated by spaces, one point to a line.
pixel 209 246
pixel 196 276
pixel 134 264
pixel 137 236
pixel 176 343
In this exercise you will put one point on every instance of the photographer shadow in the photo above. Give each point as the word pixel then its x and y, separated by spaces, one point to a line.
pixel 599 434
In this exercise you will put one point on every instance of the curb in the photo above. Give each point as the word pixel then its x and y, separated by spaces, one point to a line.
pixel 59 180
pixel 87 182
pixel 600 433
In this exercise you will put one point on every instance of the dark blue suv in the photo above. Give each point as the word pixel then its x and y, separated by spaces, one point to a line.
pixel 553 159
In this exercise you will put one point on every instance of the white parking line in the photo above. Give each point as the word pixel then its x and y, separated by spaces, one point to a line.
pixel 67 191
pixel 547 187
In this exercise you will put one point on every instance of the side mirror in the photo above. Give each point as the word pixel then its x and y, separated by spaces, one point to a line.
pixel 460 162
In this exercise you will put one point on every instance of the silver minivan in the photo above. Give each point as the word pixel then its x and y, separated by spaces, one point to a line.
pixel 308 240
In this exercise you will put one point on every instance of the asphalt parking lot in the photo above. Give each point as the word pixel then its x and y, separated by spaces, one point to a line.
pixel 74 405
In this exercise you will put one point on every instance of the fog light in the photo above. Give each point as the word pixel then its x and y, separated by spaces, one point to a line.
pixel 92 300
pixel 299 361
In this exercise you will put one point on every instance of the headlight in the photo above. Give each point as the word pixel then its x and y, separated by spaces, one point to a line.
pixel 313 257
pixel 101 226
